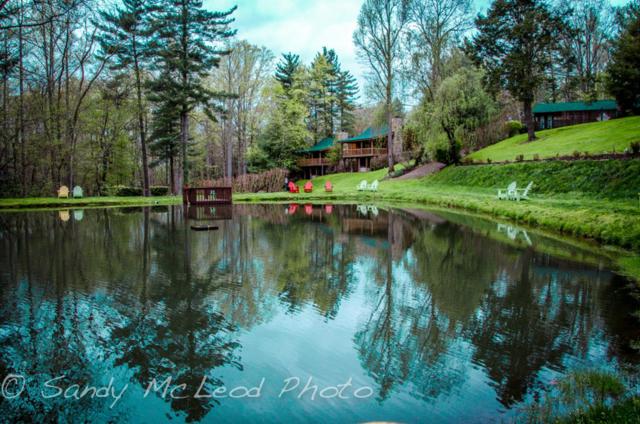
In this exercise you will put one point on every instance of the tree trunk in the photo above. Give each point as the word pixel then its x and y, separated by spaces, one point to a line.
pixel 172 182
pixel 390 158
pixel 184 139
pixel 143 142
pixel 528 120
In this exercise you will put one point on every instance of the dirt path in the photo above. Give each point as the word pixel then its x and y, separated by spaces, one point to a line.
pixel 421 171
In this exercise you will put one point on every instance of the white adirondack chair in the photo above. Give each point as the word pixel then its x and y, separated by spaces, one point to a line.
pixel 77 192
pixel 362 186
pixel 523 194
pixel 374 186
pixel 509 193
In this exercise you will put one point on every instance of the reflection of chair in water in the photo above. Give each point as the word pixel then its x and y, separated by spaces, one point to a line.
pixel 64 215
pixel 308 208
pixel 293 208
pixel 362 209
pixel 328 209
pixel 78 214
pixel 373 210
pixel 513 232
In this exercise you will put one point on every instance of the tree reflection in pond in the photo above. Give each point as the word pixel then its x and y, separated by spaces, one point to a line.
pixel 419 305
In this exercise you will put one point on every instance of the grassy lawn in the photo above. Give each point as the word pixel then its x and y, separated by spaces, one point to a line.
pixel 597 137
pixel 54 202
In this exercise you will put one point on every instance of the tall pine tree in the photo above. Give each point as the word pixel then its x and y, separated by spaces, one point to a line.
pixel 124 34
pixel 286 69
pixel 188 44
pixel 515 43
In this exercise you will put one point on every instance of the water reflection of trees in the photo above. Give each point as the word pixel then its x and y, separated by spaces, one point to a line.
pixel 140 291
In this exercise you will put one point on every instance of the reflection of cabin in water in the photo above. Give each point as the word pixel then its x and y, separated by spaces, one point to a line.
pixel 210 213
pixel 555 115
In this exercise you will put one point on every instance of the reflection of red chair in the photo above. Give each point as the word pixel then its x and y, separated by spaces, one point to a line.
pixel 328 209
pixel 308 187
pixel 293 208
pixel 293 188
pixel 308 208
pixel 328 187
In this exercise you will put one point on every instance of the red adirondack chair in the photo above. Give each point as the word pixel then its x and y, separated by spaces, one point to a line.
pixel 308 187
pixel 328 187
pixel 293 188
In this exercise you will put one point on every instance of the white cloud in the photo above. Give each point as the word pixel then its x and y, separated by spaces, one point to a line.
pixel 299 26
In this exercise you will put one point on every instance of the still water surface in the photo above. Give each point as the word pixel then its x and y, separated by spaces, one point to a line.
pixel 287 314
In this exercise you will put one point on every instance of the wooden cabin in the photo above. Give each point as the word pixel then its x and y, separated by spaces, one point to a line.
pixel 314 160
pixel 359 151
pixel 555 115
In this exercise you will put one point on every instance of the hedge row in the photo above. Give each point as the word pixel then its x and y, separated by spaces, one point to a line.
pixel 125 191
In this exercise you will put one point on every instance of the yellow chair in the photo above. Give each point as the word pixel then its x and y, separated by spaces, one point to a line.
pixel 63 191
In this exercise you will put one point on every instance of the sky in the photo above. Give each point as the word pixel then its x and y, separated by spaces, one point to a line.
pixel 305 26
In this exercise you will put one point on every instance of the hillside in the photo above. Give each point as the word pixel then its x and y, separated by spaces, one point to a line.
pixel 599 179
pixel 594 138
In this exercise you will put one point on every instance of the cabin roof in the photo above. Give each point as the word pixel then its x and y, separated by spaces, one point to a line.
pixel 322 145
pixel 575 106
pixel 368 134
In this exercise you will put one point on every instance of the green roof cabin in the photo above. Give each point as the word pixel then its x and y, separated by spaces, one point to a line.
pixel 555 115
pixel 357 151
pixel 314 161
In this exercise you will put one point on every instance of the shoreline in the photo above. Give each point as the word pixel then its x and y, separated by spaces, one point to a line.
pixel 611 226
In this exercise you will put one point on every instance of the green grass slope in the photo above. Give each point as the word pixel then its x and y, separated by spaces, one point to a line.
pixel 601 179
pixel 594 138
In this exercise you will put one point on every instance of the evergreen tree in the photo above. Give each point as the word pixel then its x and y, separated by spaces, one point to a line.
pixel 186 46
pixel 347 91
pixel 165 137
pixel 124 35
pixel 515 43
pixel 286 69
pixel 332 93
pixel 624 69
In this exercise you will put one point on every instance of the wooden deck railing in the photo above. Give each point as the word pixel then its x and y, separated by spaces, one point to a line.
pixel 364 151
pixel 206 195
pixel 313 162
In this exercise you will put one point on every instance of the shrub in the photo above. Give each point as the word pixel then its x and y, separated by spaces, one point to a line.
pixel 159 190
pixel 536 156
pixel 576 154
pixel 519 158
pixel 513 127
pixel 488 160
pixel 124 191
pixel 268 181
pixel 635 147
pixel 378 162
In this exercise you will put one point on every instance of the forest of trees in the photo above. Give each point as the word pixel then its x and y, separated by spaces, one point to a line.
pixel 145 93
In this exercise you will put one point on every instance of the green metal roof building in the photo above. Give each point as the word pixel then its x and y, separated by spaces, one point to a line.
pixel 555 115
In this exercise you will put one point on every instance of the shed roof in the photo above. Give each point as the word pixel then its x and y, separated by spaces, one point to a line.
pixel 575 106
pixel 368 134
pixel 324 144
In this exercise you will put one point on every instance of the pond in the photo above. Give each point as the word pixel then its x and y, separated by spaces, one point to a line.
pixel 287 313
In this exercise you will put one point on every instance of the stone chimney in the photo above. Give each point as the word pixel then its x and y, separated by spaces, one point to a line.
pixel 398 143
pixel 341 135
